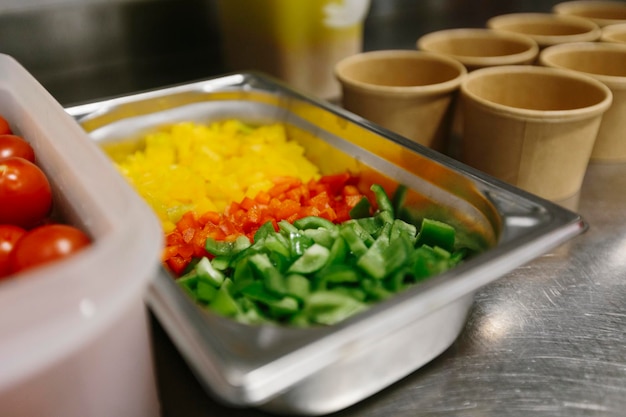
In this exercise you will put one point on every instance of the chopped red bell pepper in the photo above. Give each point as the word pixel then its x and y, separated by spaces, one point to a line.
pixel 331 197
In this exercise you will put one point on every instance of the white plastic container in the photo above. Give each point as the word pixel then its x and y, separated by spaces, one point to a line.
pixel 74 335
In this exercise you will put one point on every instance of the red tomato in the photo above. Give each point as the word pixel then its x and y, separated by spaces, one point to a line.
pixel 13 145
pixel 45 244
pixel 9 235
pixel 25 194
pixel 4 126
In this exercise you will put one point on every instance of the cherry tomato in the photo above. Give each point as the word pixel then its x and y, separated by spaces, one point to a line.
pixel 45 244
pixel 9 235
pixel 4 126
pixel 13 145
pixel 25 194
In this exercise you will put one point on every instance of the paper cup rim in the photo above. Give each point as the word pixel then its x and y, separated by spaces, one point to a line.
pixel 443 87
pixel 612 81
pixel 532 114
pixel 569 8
pixel 609 30
pixel 489 60
pixel 592 32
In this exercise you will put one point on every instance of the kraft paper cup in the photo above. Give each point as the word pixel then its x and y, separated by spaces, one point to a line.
pixel 408 92
pixel 614 33
pixel 531 126
pixel 479 47
pixel 603 13
pixel 547 28
pixel 605 62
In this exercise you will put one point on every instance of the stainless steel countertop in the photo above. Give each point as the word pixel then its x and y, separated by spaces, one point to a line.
pixel 548 339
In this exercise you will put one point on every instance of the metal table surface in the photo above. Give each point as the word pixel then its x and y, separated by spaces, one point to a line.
pixel 548 339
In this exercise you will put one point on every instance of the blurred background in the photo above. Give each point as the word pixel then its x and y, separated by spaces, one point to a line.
pixel 83 50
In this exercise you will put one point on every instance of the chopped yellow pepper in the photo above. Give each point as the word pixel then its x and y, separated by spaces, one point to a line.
pixel 194 167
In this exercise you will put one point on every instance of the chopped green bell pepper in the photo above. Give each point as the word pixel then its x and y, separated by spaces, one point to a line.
pixel 315 272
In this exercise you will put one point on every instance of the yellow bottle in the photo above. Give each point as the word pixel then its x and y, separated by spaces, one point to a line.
pixel 298 41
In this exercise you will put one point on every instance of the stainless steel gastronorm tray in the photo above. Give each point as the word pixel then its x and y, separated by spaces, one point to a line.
pixel 320 370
